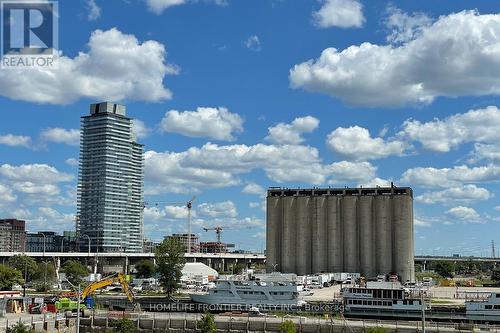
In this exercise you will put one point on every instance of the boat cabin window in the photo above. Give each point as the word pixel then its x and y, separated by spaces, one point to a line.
pixel 498 295
pixel 496 307
pixel 488 307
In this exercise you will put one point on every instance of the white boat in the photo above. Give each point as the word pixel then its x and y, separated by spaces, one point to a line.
pixel 382 298
pixel 250 292
pixel 484 310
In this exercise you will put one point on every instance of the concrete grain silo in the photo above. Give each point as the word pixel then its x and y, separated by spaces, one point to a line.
pixel 319 241
pixel 382 212
pixel 365 230
pixel 288 231
pixel 350 233
pixel 366 236
pixel 273 231
pixel 335 253
pixel 303 233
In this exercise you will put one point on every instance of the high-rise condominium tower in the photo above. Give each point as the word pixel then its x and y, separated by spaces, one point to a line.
pixel 111 182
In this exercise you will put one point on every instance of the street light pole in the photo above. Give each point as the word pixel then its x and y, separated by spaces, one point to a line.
pixel 25 277
pixel 45 276
pixel 78 311
pixel 78 298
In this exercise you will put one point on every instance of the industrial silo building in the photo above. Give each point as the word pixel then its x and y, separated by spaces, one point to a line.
pixel 365 230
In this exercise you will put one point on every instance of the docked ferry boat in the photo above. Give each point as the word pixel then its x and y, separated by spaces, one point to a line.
pixel 484 310
pixel 250 292
pixel 388 299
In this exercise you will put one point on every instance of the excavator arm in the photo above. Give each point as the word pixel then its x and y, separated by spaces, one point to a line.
pixel 126 288
pixel 118 278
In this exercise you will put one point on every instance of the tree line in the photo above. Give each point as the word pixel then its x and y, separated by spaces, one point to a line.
pixel 23 270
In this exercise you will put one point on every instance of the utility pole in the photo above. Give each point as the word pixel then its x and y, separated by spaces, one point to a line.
pixel 493 253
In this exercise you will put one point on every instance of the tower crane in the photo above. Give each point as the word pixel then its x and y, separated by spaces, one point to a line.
pixel 189 206
pixel 218 232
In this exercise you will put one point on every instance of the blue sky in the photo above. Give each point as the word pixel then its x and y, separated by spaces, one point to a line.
pixel 234 96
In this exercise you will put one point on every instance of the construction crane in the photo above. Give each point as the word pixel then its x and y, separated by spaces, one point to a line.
pixel 156 204
pixel 218 232
pixel 189 207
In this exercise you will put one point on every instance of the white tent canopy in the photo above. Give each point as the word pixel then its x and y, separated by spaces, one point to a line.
pixel 192 269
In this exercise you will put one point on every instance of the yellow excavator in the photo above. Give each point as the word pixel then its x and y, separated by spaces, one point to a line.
pixel 107 281
pixel 65 304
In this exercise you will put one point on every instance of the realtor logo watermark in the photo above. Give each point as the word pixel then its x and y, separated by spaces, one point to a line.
pixel 29 33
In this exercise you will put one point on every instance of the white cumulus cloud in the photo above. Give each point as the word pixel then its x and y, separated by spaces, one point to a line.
pixel 355 143
pixel 404 27
pixel 35 179
pixel 464 214
pixel 214 123
pixel 345 171
pixel 292 133
pixel 158 6
pixel 214 166
pixel 61 135
pixel 486 152
pixel 253 188
pixel 217 210
pixel 455 195
pixel 6 195
pixel 15 140
pixel 442 135
pixel 446 177
pixel 116 67
pixel 339 13
pixel 140 129
pixel 457 55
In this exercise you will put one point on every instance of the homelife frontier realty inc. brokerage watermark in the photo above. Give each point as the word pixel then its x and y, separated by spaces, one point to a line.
pixel 29 33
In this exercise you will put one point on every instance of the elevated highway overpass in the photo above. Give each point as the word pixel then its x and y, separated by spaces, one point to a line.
pixel 111 262
pixel 121 261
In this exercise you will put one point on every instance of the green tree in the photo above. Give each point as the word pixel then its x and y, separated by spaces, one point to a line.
pixel 444 268
pixel 24 264
pixel 170 260
pixel 287 326
pixel 495 275
pixel 145 268
pixel 124 325
pixel 45 274
pixel 75 271
pixel 18 328
pixel 239 268
pixel 8 277
pixel 207 323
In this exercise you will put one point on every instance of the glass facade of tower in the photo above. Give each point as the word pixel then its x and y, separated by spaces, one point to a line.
pixel 111 181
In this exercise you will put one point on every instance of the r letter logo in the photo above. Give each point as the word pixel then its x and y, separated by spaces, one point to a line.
pixel 29 33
